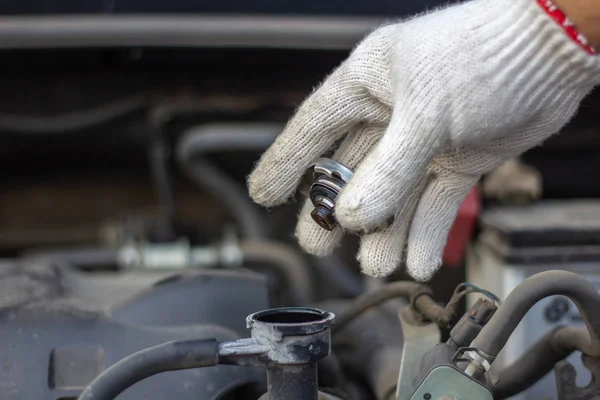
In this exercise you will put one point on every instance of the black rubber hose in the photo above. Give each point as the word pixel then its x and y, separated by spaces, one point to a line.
pixel 199 141
pixel 171 356
pixel 530 367
pixel 163 182
pixel 27 124
pixel 496 332
pixel 228 192
pixel 372 299
pixel 296 272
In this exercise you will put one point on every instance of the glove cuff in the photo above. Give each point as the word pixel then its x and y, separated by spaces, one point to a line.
pixel 566 24
pixel 519 38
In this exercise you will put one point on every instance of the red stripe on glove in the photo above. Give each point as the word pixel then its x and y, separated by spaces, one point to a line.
pixel 561 19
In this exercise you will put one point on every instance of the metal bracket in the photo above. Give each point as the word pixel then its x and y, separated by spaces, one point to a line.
pixel 566 386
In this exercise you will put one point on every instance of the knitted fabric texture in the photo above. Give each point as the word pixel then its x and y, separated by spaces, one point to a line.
pixel 427 106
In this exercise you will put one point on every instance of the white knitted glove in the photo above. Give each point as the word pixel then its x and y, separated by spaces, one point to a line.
pixel 427 106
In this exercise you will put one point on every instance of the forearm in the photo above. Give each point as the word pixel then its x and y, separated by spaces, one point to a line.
pixel 585 14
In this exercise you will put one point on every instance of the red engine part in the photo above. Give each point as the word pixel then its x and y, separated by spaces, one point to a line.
pixel 461 231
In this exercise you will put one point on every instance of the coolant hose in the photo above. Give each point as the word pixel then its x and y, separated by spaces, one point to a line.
pixel 393 290
pixel 170 356
pixel 76 120
pixel 199 141
pixel 496 332
pixel 297 273
pixel 540 359
pixel 530 367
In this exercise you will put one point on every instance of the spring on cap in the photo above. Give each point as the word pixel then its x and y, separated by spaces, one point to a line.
pixel 322 183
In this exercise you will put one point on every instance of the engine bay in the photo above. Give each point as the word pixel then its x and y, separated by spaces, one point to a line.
pixel 125 226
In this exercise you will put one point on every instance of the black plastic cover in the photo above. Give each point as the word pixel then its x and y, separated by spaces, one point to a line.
pixel 53 344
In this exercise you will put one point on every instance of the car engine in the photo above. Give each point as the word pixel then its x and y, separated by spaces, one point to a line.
pixel 133 265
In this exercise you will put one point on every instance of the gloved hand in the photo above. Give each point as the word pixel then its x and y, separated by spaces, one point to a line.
pixel 426 107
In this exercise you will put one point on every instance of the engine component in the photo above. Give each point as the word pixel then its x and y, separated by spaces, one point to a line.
pixel 419 337
pixel 62 328
pixel 495 334
pixel 179 254
pixel 478 337
pixel 419 295
pixel 421 299
pixel 537 361
pixel 444 361
pixel 566 385
pixel 469 326
pixel 443 381
pixel 422 338
pixel 289 342
pixel 322 183
pixel 103 313
pixel 293 274
pixel 170 356
pixel 477 363
pixel 465 331
pixel 369 347
pixel 191 154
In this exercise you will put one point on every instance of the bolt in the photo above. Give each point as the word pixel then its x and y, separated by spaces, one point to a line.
pixel 323 216
pixel 478 365
pixel 474 370
pixel 427 396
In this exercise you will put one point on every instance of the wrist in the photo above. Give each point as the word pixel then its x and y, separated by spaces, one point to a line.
pixel 585 16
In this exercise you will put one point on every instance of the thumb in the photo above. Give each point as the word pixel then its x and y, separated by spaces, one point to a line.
pixel 387 176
